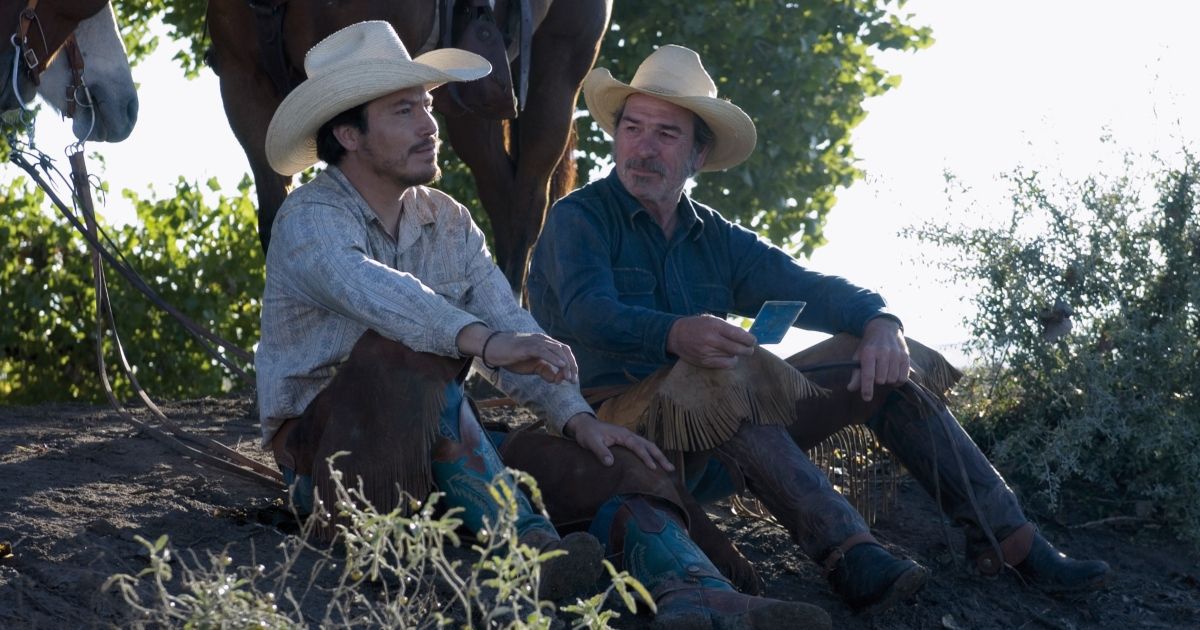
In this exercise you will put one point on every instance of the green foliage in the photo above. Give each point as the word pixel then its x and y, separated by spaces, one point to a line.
pixel 202 259
pixel 393 570
pixel 1110 406
pixel 801 70
pixel 184 20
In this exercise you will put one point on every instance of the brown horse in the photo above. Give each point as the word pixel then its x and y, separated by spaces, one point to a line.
pixel 30 61
pixel 512 160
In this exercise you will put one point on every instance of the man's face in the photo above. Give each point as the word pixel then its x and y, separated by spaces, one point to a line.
pixel 401 141
pixel 654 150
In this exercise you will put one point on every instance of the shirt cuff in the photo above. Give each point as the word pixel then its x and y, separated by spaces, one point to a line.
pixel 877 315
pixel 564 404
pixel 446 334
pixel 655 338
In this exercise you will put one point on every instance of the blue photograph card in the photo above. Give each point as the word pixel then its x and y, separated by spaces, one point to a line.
pixel 774 319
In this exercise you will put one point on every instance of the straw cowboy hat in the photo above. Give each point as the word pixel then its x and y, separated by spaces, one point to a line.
pixel 353 66
pixel 675 74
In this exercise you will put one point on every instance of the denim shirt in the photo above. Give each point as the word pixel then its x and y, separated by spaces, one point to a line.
pixel 605 280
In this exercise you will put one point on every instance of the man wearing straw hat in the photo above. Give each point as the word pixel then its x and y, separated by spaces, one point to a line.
pixel 380 291
pixel 638 278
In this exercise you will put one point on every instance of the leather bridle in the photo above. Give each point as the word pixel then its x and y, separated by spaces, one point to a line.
pixel 34 65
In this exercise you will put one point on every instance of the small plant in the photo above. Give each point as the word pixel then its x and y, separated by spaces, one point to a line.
pixel 403 569
pixel 1088 315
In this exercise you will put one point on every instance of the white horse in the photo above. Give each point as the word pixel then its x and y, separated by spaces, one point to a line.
pixel 107 109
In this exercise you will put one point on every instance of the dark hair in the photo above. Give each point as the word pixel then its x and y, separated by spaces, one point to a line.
pixel 329 150
pixel 702 134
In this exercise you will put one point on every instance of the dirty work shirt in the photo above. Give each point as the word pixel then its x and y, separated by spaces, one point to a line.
pixel 333 272
pixel 605 280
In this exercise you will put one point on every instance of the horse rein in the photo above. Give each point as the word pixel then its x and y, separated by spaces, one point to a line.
pixel 77 92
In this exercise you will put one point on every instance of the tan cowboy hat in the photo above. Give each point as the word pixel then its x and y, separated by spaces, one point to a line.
pixel 355 65
pixel 675 74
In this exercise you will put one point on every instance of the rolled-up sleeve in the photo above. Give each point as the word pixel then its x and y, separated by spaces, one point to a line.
pixel 327 263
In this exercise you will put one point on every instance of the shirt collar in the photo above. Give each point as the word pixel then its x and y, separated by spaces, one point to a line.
pixel 417 214
pixel 689 219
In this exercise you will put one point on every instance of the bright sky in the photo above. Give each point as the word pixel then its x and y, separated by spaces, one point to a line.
pixel 1023 83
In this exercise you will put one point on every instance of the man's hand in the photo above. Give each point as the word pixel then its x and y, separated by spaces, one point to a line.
pixel 882 355
pixel 522 353
pixel 707 341
pixel 597 436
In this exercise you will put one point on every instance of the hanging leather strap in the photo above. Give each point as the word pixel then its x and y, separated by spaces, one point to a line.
pixel 269 16
pixel 839 552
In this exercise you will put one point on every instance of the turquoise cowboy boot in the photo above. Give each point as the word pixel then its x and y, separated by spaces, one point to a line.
pixel 689 592
pixel 465 463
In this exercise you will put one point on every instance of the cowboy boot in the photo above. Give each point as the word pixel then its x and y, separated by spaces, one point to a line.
pixel 869 578
pixel 919 430
pixel 688 591
pixel 820 520
pixel 922 433
pixel 1038 562
pixel 465 463
pixel 1053 572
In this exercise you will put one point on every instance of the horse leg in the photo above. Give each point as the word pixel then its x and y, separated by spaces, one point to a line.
pixel 564 48
pixel 480 143
pixel 250 100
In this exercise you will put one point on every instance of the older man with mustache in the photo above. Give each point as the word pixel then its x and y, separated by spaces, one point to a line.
pixel 638 277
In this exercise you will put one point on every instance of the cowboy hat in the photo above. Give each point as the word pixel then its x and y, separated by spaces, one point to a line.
pixel 353 66
pixel 675 74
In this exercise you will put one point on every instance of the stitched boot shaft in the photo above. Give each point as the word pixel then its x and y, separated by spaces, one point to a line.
pixel 689 592
pixel 795 491
pixel 924 436
pixel 576 487
pixel 870 579
pixel 1053 572
pixel 465 463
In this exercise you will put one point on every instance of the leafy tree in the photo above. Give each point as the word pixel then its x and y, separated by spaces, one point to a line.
pixel 1088 315
pixel 202 259
pixel 801 69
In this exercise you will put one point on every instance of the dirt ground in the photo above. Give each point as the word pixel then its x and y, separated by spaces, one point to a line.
pixel 77 483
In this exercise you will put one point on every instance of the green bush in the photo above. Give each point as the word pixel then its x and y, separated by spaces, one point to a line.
pixel 1105 410
pixel 204 260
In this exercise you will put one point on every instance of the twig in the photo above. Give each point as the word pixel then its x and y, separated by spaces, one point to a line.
pixel 1111 520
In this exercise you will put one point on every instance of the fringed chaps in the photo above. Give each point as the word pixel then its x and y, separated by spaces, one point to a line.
pixel 688 408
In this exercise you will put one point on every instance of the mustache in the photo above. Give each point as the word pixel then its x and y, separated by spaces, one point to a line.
pixel 654 166
pixel 433 143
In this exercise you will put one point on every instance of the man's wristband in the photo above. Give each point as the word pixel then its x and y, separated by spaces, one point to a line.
pixel 483 352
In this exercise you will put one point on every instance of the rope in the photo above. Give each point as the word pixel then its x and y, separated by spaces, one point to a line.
pixel 207 450
pixel 203 336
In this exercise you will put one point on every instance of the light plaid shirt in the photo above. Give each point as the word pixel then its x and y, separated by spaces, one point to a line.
pixel 333 272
